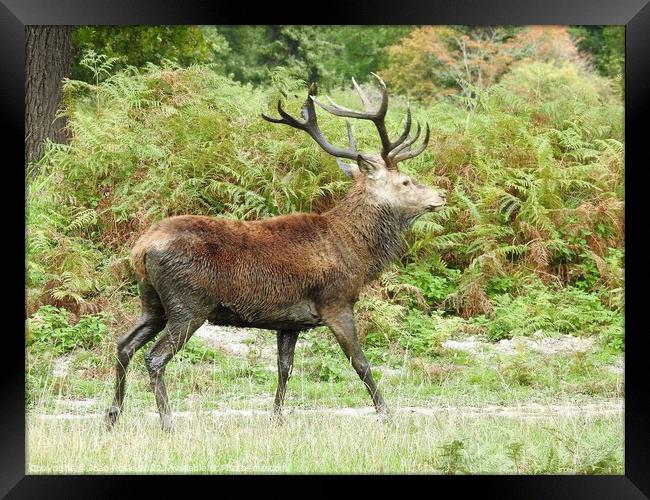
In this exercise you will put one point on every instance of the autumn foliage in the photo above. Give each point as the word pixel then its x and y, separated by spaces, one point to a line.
pixel 434 61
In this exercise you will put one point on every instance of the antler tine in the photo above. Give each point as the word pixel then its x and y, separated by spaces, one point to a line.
pixel 383 107
pixel 412 154
pixel 362 96
pixel 353 143
pixel 347 168
pixel 286 119
pixel 338 110
pixel 406 143
pixel 379 122
pixel 407 130
pixel 310 125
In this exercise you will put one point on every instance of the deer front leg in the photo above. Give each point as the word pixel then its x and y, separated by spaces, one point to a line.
pixel 341 322
pixel 286 348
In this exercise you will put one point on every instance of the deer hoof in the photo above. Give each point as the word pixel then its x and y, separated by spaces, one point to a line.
pixel 111 416
pixel 385 415
pixel 166 423
pixel 278 418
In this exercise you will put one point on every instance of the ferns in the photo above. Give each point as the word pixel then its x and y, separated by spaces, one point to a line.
pixel 534 174
pixel 544 152
pixel 82 219
pixel 69 287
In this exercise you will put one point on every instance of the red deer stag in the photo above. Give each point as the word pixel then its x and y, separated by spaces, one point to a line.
pixel 288 273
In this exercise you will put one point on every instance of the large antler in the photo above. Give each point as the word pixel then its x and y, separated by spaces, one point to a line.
pixel 310 125
pixel 392 152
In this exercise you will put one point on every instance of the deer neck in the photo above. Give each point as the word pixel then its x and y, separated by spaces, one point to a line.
pixel 371 230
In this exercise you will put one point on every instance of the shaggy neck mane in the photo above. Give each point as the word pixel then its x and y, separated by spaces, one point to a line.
pixel 373 229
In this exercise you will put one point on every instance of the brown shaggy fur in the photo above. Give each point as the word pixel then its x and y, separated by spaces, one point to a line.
pixel 264 271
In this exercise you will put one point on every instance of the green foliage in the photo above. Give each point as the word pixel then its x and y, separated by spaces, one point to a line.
pixel 356 51
pixel 515 453
pixel 325 361
pixel 424 334
pixel 51 326
pixel 330 55
pixel 384 325
pixel 606 47
pixel 498 285
pixel 569 310
pixel 435 283
pixel 590 459
pixel 613 337
pixel 434 61
pixel 518 370
pixel 256 372
pixel 537 184
pixel 453 458
pixel 142 45
pixel 194 351
pixel 256 49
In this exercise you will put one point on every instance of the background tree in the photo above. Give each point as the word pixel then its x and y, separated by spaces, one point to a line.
pixel 605 46
pixel 433 61
pixel 139 45
pixel 354 51
pixel 48 58
pixel 331 55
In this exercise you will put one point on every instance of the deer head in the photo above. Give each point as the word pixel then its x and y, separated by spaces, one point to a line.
pixel 379 172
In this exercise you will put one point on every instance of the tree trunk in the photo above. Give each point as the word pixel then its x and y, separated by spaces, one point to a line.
pixel 48 58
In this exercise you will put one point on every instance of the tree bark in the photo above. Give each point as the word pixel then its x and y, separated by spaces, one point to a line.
pixel 48 58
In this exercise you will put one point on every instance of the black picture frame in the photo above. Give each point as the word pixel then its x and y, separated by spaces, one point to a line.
pixel 634 14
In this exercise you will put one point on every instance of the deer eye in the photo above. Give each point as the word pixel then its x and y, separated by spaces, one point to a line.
pixel 406 182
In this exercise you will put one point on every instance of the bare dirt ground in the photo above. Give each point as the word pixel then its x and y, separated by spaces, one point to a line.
pixel 546 345
pixel 233 340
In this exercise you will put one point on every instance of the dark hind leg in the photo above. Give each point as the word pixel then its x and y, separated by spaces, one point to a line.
pixel 286 348
pixel 180 327
pixel 151 322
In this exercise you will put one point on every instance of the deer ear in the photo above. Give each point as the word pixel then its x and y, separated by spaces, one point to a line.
pixel 369 169
pixel 352 171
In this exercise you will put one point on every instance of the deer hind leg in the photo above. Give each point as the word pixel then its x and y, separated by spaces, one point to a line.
pixel 174 336
pixel 341 322
pixel 151 322
pixel 286 348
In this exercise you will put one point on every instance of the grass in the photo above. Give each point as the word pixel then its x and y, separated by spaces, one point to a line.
pixel 329 444
pixel 483 413
pixel 322 378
